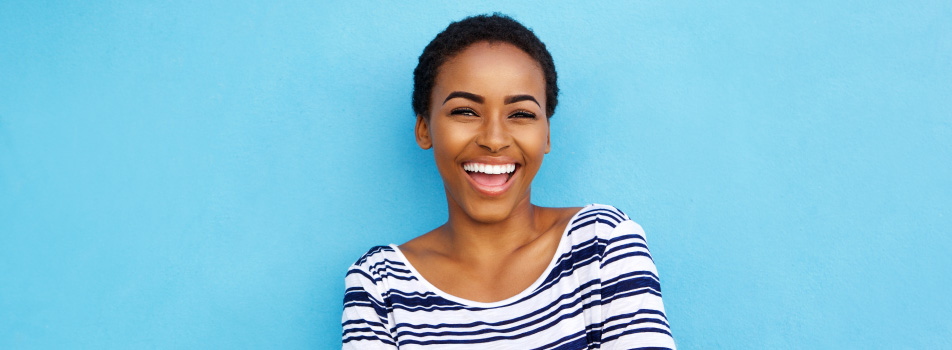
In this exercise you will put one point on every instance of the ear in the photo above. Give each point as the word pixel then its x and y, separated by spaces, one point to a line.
pixel 548 143
pixel 423 132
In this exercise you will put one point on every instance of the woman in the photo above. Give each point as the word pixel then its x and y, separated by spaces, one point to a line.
pixel 501 273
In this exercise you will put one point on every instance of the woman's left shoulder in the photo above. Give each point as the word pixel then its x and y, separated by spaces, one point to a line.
pixel 608 219
pixel 609 213
pixel 591 218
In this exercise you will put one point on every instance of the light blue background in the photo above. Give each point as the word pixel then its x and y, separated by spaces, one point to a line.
pixel 200 175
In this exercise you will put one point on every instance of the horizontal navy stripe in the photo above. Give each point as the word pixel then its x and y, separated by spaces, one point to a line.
pixel 366 329
pixel 362 322
pixel 373 251
pixel 629 275
pixel 596 220
pixel 629 236
pixel 387 262
pixel 626 255
pixel 634 331
pixel 355 271
pixel 615 248
pixel 634 322
pixel 359 338
pixel 640 312
pixel 572 341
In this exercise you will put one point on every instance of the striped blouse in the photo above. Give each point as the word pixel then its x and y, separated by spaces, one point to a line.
pixel 600 291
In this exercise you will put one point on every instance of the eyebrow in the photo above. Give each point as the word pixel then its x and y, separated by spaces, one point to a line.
pixel 518 98
pixel 479 99
pixel 469 96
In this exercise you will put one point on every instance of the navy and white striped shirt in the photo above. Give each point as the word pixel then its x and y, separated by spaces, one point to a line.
pixel 600 291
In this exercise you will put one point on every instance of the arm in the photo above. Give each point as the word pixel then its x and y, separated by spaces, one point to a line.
pixel 366 320
pixel 632 311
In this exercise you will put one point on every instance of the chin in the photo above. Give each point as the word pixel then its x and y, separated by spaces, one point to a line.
pixel 489 214
pixel 490 211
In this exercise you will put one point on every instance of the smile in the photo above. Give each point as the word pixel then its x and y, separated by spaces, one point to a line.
pixel 490 179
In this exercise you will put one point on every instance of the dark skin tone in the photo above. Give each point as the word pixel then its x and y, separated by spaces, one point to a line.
pixel 487 108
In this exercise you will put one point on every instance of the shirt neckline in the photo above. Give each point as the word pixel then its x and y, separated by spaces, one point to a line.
pixel 555 257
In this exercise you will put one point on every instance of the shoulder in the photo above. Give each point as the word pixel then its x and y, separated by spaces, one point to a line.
pixel 376 264
pixel 375 254
pixel 603 221
pixel 607 212
pixel 608 231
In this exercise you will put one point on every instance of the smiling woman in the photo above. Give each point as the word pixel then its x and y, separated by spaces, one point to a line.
pixel 501 272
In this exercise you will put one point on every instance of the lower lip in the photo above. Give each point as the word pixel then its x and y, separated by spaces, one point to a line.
pixel 492 191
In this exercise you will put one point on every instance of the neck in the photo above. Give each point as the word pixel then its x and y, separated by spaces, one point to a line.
pixel 470 239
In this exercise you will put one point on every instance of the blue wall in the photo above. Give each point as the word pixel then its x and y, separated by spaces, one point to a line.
pixel 182 175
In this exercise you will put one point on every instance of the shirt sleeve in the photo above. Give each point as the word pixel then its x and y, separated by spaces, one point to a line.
pixel 366 321
pixel 632 311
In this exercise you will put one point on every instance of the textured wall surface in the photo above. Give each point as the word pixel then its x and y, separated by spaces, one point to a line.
pixel 200 175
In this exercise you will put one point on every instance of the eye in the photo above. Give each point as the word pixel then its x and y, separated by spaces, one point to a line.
pixel 522 114
pixel 464 111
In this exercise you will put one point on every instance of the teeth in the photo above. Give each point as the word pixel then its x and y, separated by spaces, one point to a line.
pixel 489 168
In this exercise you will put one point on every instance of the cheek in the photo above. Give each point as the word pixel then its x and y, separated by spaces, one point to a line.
pixel 448 143
pixel 535 142
pixel 454 135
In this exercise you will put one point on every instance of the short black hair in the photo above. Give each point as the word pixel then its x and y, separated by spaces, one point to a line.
pixel 460 35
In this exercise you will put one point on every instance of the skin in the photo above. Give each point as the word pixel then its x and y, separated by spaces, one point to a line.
pixel 487 104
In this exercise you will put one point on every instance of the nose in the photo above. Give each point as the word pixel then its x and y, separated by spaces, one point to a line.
pixel 494 136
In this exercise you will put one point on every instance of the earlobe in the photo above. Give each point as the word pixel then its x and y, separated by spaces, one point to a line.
pixel 423 133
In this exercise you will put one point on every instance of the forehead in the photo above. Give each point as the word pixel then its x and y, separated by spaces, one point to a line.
pixel 492 68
